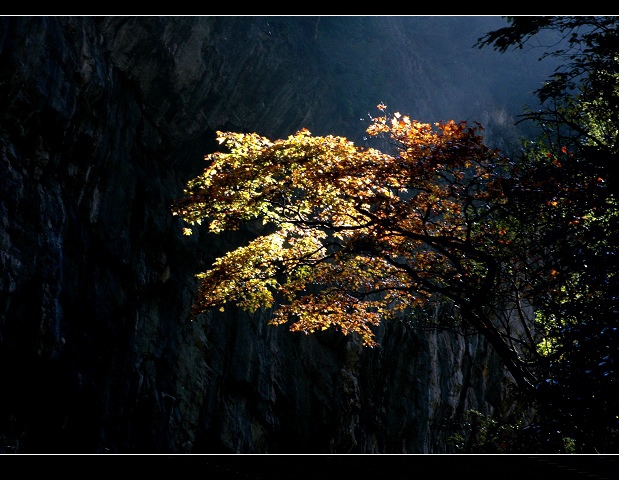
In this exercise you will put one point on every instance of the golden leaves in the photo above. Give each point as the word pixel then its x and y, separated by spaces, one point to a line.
pixel 367 233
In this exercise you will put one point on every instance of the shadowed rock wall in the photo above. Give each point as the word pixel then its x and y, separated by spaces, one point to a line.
pixel 103 120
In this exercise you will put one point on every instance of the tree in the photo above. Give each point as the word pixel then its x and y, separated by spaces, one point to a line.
pixel 522 251
pixel 572 218
pixel 357 236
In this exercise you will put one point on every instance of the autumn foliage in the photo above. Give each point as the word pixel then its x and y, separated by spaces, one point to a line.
pixel 356 235
pixel 523 252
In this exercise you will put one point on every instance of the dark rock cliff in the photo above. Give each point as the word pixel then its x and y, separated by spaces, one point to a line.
pixel 103 120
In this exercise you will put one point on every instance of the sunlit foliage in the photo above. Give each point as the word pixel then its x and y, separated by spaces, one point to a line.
pixel 357 236
pixel 377 233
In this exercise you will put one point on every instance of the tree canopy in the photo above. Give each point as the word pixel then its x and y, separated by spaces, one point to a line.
pixel 358 236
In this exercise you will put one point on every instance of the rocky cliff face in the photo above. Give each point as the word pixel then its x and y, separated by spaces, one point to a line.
pixel 103 120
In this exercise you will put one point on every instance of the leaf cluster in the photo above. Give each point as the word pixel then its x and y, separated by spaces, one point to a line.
pixel 358 234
